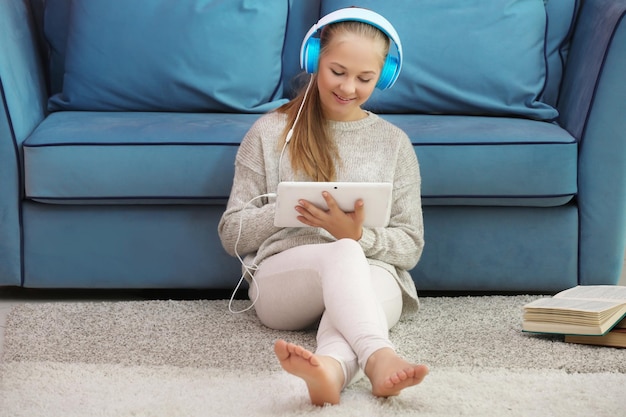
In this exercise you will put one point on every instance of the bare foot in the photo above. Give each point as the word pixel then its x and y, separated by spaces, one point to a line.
pixel 390 374
pixel 323 375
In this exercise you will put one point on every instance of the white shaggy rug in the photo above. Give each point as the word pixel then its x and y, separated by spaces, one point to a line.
pixel 193 358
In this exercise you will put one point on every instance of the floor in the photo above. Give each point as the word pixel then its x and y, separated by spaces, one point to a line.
pixel 10 297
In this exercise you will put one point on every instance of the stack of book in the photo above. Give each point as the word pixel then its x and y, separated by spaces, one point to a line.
pixel 588 314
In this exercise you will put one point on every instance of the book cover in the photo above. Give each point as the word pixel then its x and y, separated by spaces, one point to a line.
pixel 614 338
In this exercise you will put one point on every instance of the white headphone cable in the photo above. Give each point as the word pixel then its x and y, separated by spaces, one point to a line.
pixel 251 269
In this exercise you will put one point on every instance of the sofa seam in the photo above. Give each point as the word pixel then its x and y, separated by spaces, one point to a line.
pixel 545 57
pixel 450 196
pixel 128 144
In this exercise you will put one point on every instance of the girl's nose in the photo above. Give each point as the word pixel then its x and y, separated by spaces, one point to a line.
pixel 348 86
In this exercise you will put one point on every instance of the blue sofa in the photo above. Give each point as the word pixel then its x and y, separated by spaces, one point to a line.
pixel 120 121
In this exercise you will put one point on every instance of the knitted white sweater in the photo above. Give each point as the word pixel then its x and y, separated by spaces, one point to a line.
pixel 371 149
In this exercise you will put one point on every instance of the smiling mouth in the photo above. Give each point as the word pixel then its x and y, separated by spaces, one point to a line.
pixel 343 99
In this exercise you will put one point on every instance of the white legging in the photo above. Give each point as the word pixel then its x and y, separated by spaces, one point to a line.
pixel 357 302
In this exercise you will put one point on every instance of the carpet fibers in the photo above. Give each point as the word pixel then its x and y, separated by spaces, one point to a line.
pixel 194 358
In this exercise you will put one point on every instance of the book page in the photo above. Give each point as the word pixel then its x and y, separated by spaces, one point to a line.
pixel 574 304
pixel 595 292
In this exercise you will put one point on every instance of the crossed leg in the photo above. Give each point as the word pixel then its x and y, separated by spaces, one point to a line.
pixel 297 286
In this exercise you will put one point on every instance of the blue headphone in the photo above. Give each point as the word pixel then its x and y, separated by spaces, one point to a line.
pixel 310 50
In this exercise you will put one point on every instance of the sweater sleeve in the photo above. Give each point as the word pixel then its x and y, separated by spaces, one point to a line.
pixel 249 216
pixel 402 241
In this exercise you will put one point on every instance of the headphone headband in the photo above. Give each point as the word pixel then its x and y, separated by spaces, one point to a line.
pixel 310 49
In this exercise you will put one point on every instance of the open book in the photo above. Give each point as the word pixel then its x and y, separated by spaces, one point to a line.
pixel 582 310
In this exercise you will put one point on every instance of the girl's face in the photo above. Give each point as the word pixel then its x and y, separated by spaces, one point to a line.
pixel 347 74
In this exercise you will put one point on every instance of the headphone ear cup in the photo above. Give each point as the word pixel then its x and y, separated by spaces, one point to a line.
pixel 311 55
pixel 388 73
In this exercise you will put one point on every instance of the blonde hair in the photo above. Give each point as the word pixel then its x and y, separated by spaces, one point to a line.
pixel 313 150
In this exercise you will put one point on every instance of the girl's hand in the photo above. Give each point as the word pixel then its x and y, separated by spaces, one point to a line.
pixel 335 221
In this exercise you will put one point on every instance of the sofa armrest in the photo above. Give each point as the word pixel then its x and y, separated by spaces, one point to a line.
pixel 22 107
pixel 593 109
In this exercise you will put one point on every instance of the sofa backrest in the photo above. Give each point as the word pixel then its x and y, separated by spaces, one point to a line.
pixel 513 66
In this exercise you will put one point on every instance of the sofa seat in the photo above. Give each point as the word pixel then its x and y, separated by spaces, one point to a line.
pixel 131 157
pixel 492 161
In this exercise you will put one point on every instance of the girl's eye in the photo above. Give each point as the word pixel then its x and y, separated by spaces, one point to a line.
pixel 339 74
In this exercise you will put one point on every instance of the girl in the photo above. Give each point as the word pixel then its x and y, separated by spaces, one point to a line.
pixel 350 281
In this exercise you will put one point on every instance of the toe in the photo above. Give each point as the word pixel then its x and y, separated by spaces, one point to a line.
pixel 280 349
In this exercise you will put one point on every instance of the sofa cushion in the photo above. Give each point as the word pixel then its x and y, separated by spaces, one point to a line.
pixel 130 157
pixel 201 55
pixel 492 161
pixel 465 57
pixel 119 158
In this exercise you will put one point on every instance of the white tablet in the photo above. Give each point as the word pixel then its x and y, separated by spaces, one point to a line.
pixel 376 197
